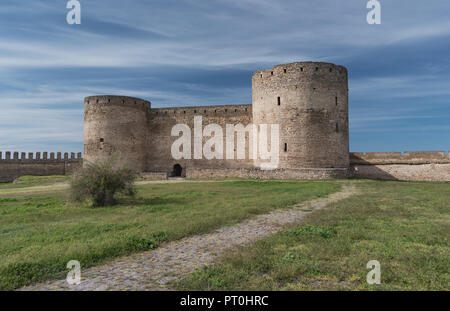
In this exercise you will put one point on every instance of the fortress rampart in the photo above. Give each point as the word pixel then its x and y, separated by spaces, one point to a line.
pixel 160 125
pixel 407 157
pixel 15 164
pixel 417 165
pixel 308 101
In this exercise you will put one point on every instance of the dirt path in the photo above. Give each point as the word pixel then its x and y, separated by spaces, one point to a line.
pixel 152 270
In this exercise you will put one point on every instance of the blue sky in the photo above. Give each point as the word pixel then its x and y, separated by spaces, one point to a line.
pixel 203 52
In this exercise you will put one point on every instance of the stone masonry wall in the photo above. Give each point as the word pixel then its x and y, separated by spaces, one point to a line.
pixel 256 173
pixel 161 121
pixel 116 126
pixel 309 101
pixel 422 165
pixel 14 165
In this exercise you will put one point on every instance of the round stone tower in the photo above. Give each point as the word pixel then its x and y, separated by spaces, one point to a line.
pixel 116 126
pixel 309 101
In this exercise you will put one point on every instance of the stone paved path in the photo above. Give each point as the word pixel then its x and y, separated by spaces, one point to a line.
pixel 152 270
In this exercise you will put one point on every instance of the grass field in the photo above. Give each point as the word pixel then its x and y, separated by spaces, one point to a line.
pixel 40 231
pixel 30 181
pixel 403 225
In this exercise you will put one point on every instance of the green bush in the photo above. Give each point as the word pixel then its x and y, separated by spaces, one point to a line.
pixel 99 182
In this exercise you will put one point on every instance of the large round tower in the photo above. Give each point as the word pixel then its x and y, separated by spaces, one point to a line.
pixel 309 101
pixel 116 126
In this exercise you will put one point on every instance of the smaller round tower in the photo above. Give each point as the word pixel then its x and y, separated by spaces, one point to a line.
pixel 309 101
pixel 116 126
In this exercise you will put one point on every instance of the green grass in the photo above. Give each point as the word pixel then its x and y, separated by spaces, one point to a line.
pixel 28 181
pixel 403 225
pixel 41 231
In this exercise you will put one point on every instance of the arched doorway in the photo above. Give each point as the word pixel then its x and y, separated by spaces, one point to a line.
pixel 177 170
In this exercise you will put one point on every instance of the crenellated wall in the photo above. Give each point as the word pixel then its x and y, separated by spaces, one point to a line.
pixel 161 121
pixel 417 165
pixel 15 164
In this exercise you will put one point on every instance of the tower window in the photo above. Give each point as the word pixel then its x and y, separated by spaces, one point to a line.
pixel 336 100
pixel 102 140
pixel 284 70
pixel 271 73
pixel 301 69
pixel 285 147
pixel 317 68
pixel 279 100
pixel 337 127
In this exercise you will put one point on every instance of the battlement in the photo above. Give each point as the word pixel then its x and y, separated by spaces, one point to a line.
pixel 16 164
pixel 202 110
pixel 133 102
pixel 408 157
pixel 301 72
pixel 39 156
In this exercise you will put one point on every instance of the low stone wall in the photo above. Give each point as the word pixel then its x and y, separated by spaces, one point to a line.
pixel 49 164
pixel 408 157
pixel 422 165
pixel 268 174
pixel 418 172
pixel 154 175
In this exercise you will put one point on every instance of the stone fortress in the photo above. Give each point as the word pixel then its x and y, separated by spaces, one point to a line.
pixel 309 101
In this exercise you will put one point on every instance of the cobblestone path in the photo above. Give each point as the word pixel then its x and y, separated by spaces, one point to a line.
pixel 152 270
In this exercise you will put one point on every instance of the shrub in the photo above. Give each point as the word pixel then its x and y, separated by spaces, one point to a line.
pixel 99 182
